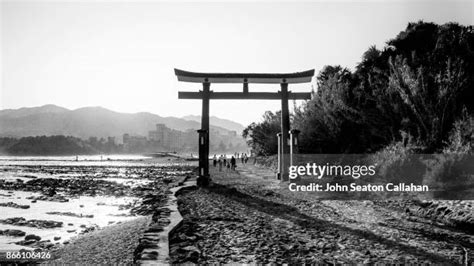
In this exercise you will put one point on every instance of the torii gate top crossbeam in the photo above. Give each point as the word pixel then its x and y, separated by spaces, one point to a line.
pixel 275 78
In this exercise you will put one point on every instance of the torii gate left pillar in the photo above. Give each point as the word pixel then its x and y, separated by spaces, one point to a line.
pixel 204 179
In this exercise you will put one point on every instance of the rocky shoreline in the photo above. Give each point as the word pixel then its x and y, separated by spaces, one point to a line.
pixel 20 221
pixel 456 214
pixel 14 205
pixel 154 220
pixel 60 184
pixel 112 245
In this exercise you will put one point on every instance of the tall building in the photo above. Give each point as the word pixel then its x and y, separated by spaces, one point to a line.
pixel 134 143
pixel 167 137
pixel 126 138
pixel 160 135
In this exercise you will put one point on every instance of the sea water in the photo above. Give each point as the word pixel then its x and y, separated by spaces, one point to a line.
pixel 105 209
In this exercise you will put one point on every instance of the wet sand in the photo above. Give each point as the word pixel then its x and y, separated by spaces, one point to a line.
pixel 112 245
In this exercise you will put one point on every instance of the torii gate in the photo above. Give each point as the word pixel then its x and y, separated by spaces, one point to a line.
pixel 243 78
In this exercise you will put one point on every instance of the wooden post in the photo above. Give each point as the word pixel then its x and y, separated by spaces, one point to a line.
pixel 294 145
pixel 202 150
pixel 278 174
pixel 204 155
pixel 285 128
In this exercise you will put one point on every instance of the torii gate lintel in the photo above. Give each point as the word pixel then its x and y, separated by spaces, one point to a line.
pixel 245 78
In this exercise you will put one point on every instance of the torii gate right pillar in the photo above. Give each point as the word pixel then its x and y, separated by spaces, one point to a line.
pixel 285 128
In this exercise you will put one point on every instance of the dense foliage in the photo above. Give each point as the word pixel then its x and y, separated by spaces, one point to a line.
pixel 418 89
pixel 47 145
pixel 262 136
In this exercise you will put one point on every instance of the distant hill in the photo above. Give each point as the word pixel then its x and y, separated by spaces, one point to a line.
pixel 86 122
pixel 216 121
pixel 26 111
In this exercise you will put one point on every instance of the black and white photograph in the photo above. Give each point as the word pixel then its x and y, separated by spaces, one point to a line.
pixel 158 132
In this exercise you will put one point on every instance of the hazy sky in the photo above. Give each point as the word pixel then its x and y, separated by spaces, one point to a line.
pixel 121 54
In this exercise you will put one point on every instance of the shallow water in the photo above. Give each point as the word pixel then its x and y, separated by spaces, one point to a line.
pixel 129 170
pixel 103 215
pixel 86 160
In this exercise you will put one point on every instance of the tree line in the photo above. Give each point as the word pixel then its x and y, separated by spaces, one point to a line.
pixel 69 145
pixel 53 145
pixel 417 91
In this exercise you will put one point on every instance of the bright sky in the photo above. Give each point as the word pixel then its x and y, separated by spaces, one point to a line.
pixel 121 54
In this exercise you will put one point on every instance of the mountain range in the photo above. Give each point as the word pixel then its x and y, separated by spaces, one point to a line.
pixel 216 121
pixel 95 121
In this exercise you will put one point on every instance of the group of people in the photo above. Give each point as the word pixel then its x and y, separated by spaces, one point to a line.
pixel 230 164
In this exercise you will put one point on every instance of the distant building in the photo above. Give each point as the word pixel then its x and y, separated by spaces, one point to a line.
pixel 167 137
pixel 134 143
pixel 161 134
pixel 125 138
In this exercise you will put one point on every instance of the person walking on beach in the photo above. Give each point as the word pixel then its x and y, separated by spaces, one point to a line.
pixel 214 160
pixel 232 163
pixel 220 164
